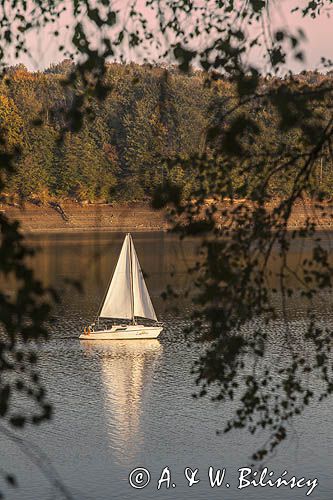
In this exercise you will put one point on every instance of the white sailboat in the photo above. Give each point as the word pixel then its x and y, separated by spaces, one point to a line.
pixel 127 298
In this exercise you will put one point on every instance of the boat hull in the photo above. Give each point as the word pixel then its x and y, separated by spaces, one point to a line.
pixel 130 332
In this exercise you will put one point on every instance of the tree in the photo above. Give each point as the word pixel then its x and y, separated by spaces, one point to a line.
pixel 233 162
pixel 85 172
pixel 34 177
pixel 24 313
pixel 11 124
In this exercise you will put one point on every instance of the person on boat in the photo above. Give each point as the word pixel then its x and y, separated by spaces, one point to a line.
pixel 87 330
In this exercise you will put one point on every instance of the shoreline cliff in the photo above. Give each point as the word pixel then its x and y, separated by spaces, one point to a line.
pixel 73 217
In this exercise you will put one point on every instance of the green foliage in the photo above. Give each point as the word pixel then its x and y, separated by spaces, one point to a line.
pixel 122 151
pixel 25 307
pixel 260 138
pixel 274 144
pixel 84 171
pixel 131 141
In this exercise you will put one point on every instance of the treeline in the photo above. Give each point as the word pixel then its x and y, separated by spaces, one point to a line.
pixel 121 153
pixel 127 144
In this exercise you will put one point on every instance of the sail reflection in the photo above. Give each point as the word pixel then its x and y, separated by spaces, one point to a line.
pixel 127 369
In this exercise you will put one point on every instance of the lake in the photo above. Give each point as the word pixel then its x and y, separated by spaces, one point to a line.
pixel 121 405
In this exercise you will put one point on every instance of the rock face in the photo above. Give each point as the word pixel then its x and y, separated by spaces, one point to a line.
pixel 73 217
pixel 303 211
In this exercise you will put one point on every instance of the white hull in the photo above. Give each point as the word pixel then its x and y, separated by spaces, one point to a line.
pixel 129 332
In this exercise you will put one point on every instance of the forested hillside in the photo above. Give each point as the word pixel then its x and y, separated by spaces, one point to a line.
pixel 127 144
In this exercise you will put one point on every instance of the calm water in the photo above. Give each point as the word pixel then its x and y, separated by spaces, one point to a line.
pixel 121 405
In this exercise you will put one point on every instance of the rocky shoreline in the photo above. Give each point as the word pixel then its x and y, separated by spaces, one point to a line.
pixel 73 217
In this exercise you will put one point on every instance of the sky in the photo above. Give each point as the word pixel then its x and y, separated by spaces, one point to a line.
pixel 319 33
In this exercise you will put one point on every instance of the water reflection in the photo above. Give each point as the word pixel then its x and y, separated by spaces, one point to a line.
pixel 127 369
pixel 122 404
pixel 91 259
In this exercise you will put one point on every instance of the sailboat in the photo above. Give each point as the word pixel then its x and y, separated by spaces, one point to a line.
pixel 126 298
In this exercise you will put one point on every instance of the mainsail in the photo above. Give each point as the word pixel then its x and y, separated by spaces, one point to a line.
pixel 127 295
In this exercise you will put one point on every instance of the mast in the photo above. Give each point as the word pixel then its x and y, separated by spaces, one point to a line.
pixel 127 296
pixel 131 279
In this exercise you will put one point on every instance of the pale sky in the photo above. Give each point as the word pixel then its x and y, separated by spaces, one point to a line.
pixel 319 34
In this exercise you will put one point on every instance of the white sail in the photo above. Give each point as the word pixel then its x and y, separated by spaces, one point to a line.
pixel 118 302
pixel 143 306
pixel 127 295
